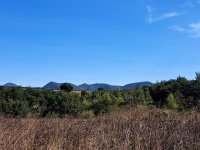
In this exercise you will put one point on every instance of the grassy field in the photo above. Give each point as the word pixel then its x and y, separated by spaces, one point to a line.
pixel 131 128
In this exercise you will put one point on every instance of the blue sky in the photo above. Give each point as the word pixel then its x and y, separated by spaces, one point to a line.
pixel 98 41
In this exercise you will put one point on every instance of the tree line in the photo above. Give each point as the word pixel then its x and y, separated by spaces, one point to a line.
pixel 178 94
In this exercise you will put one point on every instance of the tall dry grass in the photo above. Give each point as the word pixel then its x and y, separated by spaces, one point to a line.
pixel 131 128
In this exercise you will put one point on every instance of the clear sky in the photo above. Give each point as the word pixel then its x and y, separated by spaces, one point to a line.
pixel 98 41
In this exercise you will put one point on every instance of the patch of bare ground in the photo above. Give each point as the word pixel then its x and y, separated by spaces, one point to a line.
pixel 131 128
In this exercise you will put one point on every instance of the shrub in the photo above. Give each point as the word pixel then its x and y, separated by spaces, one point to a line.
pixel 171 102
pixel 87 114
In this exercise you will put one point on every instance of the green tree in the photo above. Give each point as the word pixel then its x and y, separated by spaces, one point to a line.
pixel 67 87
pixel 171 102
pixel 100 89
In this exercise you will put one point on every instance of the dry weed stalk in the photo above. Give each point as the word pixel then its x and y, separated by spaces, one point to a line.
pixel 133 128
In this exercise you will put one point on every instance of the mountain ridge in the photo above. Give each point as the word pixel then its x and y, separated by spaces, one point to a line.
pixel 91 87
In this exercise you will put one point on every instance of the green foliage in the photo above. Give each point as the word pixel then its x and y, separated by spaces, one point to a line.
pixel 48 103
pixel 67 87
pixel 186 92
pixel 87 114
pixel 138 96
pixel 147 97
pixel 101 103
pixel 100 89
pixel 178 94
pixel 15 108
pixel 171 102
pixel 197 76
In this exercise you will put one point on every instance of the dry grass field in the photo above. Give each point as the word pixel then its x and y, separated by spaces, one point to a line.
pixel 131 128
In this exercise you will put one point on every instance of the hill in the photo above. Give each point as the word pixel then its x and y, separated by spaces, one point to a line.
pixel 10 85
pixel 138 84
pixel 92 87
pixel 56 86
pixel 52 86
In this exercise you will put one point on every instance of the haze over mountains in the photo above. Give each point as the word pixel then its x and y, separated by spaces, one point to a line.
pixel 89 87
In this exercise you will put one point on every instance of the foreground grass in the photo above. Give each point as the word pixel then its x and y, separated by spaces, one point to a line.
pixel 132 128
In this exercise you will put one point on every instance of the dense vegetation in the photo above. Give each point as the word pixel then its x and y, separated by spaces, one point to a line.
pixel 176 94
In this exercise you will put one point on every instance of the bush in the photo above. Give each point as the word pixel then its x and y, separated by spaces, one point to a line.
pixel 171 102
pixel 181 94
pixel 87 114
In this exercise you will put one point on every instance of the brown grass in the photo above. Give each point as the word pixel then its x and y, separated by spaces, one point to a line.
pixel 132 128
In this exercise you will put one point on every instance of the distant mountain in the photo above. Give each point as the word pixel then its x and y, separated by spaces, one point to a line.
pixel 56 86
pixel 138 84
pixel 10 85
pixel 92 87
pixel 52 86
